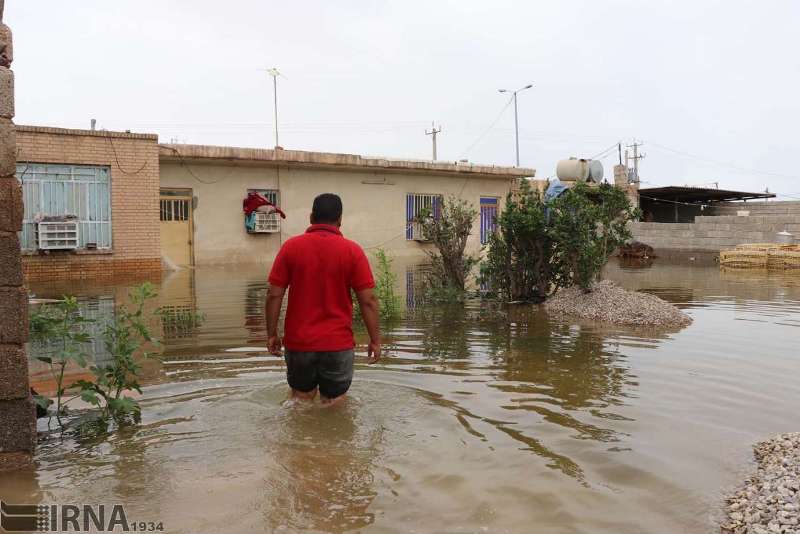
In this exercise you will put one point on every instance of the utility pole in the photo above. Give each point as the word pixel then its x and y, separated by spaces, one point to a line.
pixel 274 73
pixel 516 116
pixel 636 157
pixel 433 134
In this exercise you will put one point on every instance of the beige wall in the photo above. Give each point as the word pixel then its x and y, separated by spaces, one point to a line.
pixel 374 215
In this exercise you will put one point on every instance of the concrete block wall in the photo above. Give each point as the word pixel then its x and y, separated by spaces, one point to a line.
pixel 133 160
pixel 768 208
pixel 17 414
pixel 714 233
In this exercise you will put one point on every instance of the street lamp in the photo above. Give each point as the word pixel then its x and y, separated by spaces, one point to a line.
pixel 516 117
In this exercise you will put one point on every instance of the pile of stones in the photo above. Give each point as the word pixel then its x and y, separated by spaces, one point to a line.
pixel 609 303
pixel 769 501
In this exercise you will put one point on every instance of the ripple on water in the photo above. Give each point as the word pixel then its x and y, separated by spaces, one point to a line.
pixel 478 419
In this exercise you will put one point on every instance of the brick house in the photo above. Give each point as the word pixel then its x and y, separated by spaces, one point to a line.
pixel 109 182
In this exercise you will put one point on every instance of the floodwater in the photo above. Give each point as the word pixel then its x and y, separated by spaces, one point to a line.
pixel 478 419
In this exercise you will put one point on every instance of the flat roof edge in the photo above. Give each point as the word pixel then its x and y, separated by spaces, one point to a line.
pixel 92 133
pixel 329 159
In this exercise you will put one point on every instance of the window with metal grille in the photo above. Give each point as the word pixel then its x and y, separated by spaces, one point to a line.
pixel 488 218
pixel 81 193
pixel 174 209
pixel 416 205
pixel 267 223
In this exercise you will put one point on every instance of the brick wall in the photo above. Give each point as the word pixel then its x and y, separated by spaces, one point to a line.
pixel 17 415
pixel 133 160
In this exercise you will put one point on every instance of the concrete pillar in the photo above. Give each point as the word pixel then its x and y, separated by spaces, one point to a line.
pixel 17 413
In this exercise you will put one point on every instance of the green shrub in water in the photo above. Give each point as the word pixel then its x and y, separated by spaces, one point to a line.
pixel 448 230
pixel 540 247
pixel 517 265
pixel 56 330
pixel 60 326
pixel 124 338
pixel 385 280
pixel 586 225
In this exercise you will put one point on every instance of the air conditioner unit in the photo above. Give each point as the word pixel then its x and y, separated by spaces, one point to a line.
pixel 57 235
pixel 417 234
pixel 267 223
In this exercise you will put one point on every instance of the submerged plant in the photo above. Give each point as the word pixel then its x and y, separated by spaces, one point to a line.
pixel 385 281
pixel 57 330
pixel 124 339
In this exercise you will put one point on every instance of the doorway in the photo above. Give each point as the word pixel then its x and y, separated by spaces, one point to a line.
pixel 176 227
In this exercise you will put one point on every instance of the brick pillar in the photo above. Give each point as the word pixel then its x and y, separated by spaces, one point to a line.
pixel 621 181
pixel 17 414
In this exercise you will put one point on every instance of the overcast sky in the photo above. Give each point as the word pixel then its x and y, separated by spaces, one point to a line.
pixel 712 88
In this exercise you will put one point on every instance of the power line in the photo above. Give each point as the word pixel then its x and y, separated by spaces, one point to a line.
pixel 116 158
pixel 604 152
pixel 189 170
pixel 723 164
pixel 494 123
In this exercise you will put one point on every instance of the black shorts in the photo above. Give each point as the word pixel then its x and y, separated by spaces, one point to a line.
pixel 332 372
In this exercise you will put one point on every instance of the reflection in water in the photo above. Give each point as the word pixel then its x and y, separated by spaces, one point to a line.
pixel 481 417
pixel 321 469
pixel 254 319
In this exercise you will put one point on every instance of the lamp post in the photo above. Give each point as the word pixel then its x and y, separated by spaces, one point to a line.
pixel 516 116
pixel 274 73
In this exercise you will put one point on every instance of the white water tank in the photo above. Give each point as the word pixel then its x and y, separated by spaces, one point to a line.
pixel 572 169
pixel 579 170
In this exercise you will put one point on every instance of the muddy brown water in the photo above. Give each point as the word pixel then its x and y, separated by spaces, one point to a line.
pixel 477 420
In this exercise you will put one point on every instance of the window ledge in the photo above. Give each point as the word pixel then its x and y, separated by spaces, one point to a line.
pixel 79 252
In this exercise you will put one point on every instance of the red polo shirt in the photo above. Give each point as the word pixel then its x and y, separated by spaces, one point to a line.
pixel 320 267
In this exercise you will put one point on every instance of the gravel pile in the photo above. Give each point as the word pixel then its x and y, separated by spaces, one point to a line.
pixel 769 501
pixel 610 303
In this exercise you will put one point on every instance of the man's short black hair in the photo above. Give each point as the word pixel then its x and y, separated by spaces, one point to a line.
pixel 327 209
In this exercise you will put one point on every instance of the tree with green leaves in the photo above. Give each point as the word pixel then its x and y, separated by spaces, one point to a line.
pixel 448 229
pixel 586 225
pixel 517 265
pixel 542 246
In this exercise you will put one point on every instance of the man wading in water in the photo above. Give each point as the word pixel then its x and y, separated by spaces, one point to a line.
pixel 320 267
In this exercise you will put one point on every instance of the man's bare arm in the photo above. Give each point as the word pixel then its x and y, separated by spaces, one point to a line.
pixel 370 308
pixel 273 311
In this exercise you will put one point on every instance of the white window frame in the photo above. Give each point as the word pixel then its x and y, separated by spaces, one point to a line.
pixel 56 189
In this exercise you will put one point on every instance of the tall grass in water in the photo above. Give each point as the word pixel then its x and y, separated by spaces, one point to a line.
pixel 385 281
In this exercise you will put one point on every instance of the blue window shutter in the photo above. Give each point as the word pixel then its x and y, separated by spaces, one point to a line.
pixel 488 218
pixel 409 216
